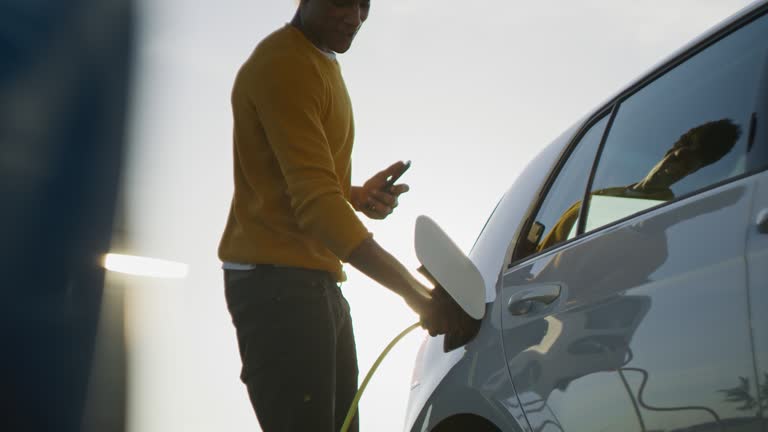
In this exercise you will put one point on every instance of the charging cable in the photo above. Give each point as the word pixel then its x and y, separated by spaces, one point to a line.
pixel 353 407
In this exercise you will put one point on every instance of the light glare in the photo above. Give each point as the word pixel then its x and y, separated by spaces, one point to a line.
pixel 144 266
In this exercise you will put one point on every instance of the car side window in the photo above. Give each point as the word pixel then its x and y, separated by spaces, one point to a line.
pixel 685 131
pixel 557 218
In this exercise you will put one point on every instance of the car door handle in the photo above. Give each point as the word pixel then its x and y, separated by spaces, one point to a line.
pixel 762 222
pixel 523 301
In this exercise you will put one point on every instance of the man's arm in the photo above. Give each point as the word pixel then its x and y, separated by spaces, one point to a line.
pixel 375 262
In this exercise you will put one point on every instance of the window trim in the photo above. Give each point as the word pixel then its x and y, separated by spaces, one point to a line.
pixel 586 201
pixel 565 155
pixel 611 108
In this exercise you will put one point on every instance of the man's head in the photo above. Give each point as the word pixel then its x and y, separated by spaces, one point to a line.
pixel 695 149
pixel 331 25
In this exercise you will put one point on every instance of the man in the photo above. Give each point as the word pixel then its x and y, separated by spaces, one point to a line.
pixel 292 222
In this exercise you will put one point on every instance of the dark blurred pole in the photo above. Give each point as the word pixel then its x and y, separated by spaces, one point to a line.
pixel 64 79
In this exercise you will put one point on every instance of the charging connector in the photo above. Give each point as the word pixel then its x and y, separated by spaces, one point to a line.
pixel 359 394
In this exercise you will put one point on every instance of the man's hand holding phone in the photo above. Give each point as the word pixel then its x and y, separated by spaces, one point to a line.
pixel 378 197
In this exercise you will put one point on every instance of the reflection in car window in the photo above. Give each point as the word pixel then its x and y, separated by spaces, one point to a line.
pixel 685 131
pixel 560 209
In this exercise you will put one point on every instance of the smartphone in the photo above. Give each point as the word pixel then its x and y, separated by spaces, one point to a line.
pixel 393 178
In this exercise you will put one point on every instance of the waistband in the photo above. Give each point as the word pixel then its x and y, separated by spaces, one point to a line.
pixel 278 269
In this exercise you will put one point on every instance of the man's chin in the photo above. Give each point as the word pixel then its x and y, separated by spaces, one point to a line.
pixel 341 47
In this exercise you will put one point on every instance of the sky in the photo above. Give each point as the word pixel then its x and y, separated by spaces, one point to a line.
pixel 468 91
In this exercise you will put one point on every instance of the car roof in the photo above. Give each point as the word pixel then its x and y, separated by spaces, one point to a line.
pixel 494 245
pixel 673 58
pixel 661 66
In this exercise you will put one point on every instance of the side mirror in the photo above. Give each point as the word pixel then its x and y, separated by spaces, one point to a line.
pixel 450 267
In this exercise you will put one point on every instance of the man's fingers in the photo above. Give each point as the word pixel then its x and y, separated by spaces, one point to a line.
pixel 440 316
pixel 394 169
pixel 382 202
pixel 376 210
pixel 399 189
pixel 384 198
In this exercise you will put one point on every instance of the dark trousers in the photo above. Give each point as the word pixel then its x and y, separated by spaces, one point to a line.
pixel 297 347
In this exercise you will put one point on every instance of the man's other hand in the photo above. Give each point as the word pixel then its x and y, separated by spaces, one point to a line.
pixel 376 201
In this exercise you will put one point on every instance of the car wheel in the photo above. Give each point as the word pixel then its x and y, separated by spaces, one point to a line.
pixel 465 423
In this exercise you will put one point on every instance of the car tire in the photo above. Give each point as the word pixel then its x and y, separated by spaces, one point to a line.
pixel 465 423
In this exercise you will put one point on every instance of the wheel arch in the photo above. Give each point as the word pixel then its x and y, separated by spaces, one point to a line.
pixel 466 422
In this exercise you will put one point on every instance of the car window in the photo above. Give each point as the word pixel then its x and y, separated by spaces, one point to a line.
pixel 558 215
pixel 683 132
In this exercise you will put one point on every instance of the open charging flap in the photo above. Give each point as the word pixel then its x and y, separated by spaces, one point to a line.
pixel 456 279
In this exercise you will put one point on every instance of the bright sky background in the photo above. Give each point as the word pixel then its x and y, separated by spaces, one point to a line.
pixel 468 90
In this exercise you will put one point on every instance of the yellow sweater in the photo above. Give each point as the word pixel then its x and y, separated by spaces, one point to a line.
pixel 293 134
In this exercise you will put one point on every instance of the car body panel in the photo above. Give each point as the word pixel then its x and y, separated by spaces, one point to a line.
pixel 625 335
pixel 757 272
pixel 475 382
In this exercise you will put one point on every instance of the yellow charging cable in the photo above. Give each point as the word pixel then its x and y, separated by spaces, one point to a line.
pixel 353 407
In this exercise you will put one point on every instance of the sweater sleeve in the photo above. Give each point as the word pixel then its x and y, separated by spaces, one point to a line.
pixel 289 97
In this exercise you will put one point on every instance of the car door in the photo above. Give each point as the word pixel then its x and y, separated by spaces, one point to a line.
pixel 757 257
pixel 629 312
pixel 756 392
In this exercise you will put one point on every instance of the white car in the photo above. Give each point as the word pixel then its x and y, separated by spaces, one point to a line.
pixel 626 269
